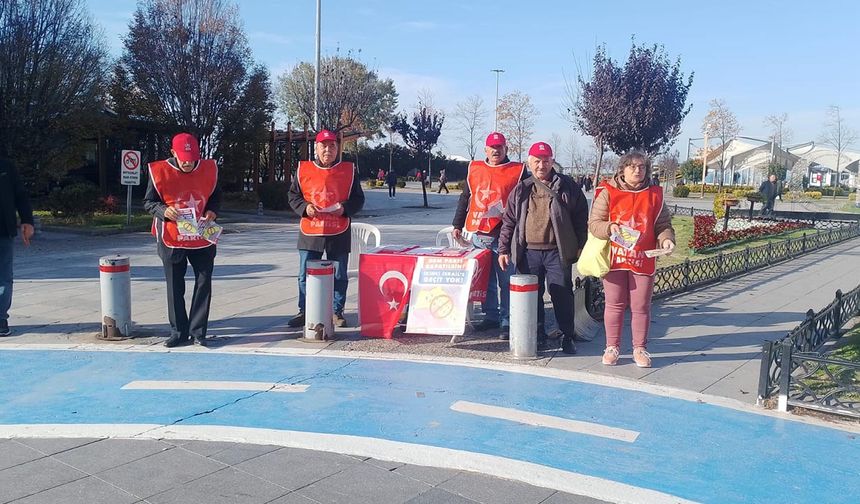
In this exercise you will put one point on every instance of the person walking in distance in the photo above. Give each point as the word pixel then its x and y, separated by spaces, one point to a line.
pixel 391 180
pixel 13 200
pixel 543 232
pixel 443 182
pixel 770 190
pixel 479 211
pixel 326 194
pixel 183 193
pixel 630 212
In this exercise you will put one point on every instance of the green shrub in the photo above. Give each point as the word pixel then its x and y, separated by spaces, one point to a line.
pixel 813 194
pixel 720 205
pixel 680 191
pixel 274 195
pixel 461 185
pixel 401 182
pixel 240 199
pixel 76 200
pixel 755 197
pixel 828 191
pixel 742 193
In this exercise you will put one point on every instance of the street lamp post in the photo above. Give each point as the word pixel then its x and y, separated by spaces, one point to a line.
pixel 496 124
pixel 317 72
pixel 705 160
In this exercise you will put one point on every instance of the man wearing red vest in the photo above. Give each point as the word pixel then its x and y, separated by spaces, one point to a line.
pixel 184 189
pixel 325 193
pixel 479 211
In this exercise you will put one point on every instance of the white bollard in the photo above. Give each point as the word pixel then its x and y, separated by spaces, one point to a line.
pixel 318 309
pixel 523 336
pixel 115 283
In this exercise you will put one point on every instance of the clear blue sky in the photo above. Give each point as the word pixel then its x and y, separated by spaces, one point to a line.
pixel 761 57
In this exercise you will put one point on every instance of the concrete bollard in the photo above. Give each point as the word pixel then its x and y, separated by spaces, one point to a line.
pixel 523 336
pixel 318 309
pixel 115 284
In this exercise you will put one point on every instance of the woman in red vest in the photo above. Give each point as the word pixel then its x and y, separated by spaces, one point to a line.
pixel 183 191
pixel 630 211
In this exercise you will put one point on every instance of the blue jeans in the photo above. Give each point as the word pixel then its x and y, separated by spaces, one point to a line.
pixel 499 279
pixel 5 276
pixel 341 279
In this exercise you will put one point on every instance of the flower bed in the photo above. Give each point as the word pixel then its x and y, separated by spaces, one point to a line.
pixel 708 233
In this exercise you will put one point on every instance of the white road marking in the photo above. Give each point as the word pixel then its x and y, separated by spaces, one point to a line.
pixel 396 451
pixel 214 385
pixel 539 420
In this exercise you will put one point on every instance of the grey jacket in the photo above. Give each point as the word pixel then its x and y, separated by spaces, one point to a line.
pixel 569 218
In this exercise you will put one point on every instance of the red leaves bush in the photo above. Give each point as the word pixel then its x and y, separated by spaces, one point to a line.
pixel 705 236
pixel 109 204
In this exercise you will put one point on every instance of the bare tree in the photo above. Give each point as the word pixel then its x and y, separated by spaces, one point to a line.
pixel 470 115
pixel 780 134
pixel 722 123
pixel 669 165
pixel 189 59
pixel 838 135
pixel 516 120
pixel 52 77
pixel 351 95
pixel 555 143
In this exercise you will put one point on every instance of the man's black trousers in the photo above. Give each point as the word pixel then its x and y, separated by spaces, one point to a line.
pixel 183 324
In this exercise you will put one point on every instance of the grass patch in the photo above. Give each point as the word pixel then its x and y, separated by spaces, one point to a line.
pixel 850 207
pixel 140 221
pixel 684 233
pixel 848 350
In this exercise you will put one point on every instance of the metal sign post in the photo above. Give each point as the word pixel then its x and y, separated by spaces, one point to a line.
pixel 129 176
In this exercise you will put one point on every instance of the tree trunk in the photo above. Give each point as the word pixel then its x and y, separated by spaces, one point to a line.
pixel 424 184
pixel 599 144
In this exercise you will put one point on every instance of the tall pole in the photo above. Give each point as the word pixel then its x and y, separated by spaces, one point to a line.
pixel 496 124
pixel 317 72
pixel 704 161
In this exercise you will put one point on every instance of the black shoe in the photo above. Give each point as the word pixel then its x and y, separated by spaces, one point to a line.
pixel 487 324
pixel 201 342
pixel 338 320
pixel 505 332
pixel 297 321
pixel 4 328
pixel 175 341
pixel 542 344
pixel 567 345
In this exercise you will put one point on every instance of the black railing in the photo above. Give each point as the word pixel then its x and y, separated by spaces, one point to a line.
pixel 813 379
pixel 691 275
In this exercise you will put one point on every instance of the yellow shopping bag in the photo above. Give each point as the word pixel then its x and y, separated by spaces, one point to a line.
pixel 594 260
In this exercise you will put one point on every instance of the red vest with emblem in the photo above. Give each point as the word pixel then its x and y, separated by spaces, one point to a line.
pixel 638 210
pixel 490 187
pixel 325 187
pixel 179 189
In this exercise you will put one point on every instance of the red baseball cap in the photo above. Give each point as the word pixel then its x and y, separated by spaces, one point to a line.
pixel 496 139
pixel 326 136
pixel 540 149
pixel 186 148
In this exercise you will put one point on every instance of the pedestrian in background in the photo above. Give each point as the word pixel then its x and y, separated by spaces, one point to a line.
pixel 443 181
pixel 543 232
pixel 14 204
pixel 391 180
pixel 770 190
pixel 184 187
pixel 630 207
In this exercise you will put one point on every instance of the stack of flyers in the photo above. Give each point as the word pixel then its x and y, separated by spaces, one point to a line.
pixel 187 222
pixel 330 209
pixel 657 252
pixel 210 231
pixel 627 238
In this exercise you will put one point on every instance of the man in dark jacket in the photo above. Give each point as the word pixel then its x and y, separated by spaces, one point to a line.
pixel 770 189
pixel 326 194
pixel 13 200
pixel 543 231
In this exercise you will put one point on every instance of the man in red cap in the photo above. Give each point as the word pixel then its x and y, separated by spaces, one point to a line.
pixel 183 196
pixel 543 232
pixel 479 212
pixel 326 194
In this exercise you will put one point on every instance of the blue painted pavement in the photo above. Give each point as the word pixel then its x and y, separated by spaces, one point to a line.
pixel 692 450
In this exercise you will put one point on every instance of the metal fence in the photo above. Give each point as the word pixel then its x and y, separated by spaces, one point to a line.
pixel 813 379
pixel 691 275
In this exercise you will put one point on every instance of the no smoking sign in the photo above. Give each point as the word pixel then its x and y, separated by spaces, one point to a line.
pixel 130 167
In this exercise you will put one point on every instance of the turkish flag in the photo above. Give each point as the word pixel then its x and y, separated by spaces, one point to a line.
pixel 383 291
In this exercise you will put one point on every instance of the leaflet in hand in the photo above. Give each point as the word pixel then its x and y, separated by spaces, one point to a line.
pixel 627 237
pixel 210 231
pixel 657 252
pixel 186 222
pixel 330 209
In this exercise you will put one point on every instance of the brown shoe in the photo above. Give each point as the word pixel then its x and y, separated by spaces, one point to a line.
pixel 338 320
pixel 610 356
pixel 641 357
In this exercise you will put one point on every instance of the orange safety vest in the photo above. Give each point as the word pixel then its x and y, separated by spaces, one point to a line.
pixel 325 187
pixel 179 189
pixel 490 187
pixel 638 210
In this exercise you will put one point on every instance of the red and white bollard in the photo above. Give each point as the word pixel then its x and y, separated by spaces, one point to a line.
pixel 319 294
pixel 523 335
pixel 115 284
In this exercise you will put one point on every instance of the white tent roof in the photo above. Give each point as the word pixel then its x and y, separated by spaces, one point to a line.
pixel 826 157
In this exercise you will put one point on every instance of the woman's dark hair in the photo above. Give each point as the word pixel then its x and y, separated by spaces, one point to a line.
pixel 629 158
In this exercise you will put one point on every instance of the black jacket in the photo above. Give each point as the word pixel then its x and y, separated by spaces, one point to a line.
pixel 770 190
pixel 331 245
pixel 13 199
